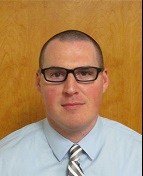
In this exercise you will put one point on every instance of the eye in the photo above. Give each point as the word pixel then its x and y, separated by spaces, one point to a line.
pixel 57 74
pixel 84 73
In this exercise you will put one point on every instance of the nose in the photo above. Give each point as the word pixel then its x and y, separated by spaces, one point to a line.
pixel 70 85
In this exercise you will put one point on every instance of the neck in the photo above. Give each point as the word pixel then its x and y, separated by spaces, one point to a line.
pixel 74 135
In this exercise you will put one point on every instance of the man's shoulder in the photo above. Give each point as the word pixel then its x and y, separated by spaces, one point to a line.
pixel 21 135
pixel 120 130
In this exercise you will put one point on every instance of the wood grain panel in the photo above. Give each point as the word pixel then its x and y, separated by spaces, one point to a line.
pixel 26 25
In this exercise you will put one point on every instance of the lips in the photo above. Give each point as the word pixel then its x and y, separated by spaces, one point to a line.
pixel 73 105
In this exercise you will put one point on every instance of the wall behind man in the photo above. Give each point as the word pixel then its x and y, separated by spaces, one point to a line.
pixel 25 26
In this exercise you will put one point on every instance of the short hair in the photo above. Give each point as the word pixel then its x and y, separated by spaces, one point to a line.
pixel 73 35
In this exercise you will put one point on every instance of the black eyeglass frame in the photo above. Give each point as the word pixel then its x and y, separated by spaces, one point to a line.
pixel 99 69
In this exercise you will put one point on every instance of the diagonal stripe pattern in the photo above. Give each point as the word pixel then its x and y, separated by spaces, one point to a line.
pixel 74 168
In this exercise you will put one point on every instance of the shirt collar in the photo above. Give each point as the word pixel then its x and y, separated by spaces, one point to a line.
pixel 91 143
pixel 59 144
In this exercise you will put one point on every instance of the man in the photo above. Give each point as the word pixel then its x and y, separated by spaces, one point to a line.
pixel 73 140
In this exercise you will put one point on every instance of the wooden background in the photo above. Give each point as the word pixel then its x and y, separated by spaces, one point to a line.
pixel 24 27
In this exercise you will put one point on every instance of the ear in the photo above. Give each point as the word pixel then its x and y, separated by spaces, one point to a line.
pixel 37 81
pixel 105 80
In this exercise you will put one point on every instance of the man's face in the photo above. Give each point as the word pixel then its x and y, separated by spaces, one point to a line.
pixel 72 106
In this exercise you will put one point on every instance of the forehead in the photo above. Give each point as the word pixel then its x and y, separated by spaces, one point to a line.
pixel 58 53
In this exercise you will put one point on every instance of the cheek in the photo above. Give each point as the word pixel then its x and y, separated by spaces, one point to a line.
pixel 94 95
pixel 50 96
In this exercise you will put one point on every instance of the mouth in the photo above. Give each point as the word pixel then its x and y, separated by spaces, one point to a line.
pixel 72 106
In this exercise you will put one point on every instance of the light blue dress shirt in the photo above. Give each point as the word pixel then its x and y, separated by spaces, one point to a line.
pixel 110 149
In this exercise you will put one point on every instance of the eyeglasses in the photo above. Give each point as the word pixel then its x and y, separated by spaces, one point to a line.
pixel 81 74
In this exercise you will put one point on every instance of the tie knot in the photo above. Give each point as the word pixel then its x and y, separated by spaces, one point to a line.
pixel 75 152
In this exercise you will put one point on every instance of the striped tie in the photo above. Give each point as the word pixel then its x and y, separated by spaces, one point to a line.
pixel 74 166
